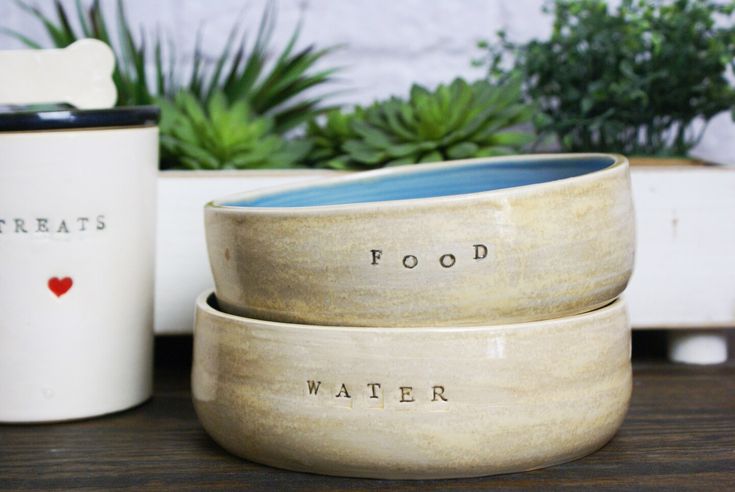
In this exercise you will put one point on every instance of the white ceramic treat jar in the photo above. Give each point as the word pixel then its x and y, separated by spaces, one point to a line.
pixel 77 219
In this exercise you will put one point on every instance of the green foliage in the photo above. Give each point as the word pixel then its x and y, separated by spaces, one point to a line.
pixel 455 121
pixel 222 136
pixel 629 80
pixel 329 136
pixel 273 89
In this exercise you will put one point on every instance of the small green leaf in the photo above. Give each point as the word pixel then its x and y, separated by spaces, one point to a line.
pixel 511 139
pixel 462 150
pixel 431 157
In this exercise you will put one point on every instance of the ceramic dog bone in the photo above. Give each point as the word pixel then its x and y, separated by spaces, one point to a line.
pixel 80 75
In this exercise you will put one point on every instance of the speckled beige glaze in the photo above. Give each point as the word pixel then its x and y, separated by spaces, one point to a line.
pixel 553 249
pixel 518 397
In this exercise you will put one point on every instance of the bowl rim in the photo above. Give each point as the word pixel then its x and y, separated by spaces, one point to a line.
pixel 203 306
pixel 218 205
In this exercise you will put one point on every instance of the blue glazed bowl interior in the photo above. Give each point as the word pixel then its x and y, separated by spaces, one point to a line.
pixel 442 181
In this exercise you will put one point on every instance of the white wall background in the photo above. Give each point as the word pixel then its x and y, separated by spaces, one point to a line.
pixel 388 44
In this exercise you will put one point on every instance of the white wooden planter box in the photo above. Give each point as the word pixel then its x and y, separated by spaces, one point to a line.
pixel 685 261
pixel 182 266
pixel 685 258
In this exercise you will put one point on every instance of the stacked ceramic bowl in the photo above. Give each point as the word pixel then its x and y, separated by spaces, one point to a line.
pixel 430 321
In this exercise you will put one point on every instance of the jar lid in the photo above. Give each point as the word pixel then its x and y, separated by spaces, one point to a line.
pixel 76 119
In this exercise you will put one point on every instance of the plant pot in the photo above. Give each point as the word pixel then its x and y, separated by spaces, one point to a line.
pixel 182 267
pixel 685 266
pixel 77 218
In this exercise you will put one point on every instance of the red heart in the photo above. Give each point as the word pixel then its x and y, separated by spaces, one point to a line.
pixel 60 286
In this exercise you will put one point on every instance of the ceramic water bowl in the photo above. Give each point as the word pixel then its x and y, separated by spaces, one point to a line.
pixel 483 241
pixel 419 403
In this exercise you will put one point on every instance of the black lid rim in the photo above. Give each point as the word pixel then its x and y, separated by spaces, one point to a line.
pixel 78 119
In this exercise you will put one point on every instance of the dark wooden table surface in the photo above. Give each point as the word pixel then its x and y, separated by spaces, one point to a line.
pixel 678 435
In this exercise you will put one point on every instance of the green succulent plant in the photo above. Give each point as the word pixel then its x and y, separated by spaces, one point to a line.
pixel 455 121
pixel 222 136
pixel 329 135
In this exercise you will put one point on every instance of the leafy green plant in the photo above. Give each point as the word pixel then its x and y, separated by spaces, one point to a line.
pixel 632 79
pixel 455 121
pixel 329 136
pixel 274 89
pixel 222 136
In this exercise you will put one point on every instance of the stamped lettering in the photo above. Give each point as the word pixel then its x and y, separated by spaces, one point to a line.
pixel 410 261
pixel 477 252
pixel 438 393
pixel 373 391
pixel 20 226
pixel 62 227
pixel 376 255
pixel 42 225
pixel 480 251
pixel 406 394
pixel 51 226
pixel 343 392
pixel 374 394
pixel 447 261
pixel 313 387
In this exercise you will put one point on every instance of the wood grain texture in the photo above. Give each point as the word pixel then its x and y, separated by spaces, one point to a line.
pixel 678 435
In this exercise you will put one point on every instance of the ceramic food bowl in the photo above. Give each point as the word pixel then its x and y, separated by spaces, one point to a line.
pixel 484 241
pixel 419 403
